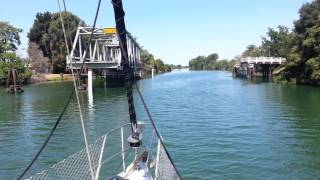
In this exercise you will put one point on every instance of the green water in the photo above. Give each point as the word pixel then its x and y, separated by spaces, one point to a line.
pixel 216 127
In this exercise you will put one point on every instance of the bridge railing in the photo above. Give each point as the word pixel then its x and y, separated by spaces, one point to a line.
pixel 104 48
pixel 263 60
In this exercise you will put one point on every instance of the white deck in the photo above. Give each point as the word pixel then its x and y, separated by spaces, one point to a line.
pixel 140 172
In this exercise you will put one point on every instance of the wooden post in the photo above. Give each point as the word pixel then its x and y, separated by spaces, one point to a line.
pixel 13 82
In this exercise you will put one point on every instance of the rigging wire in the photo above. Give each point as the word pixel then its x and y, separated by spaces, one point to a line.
pixel 65 106
pixel 48 138
pixel 128 73
pixel 152 121
pixel 63 28
pixel 119 15
pixel 70 37
pixel 155 128
pixel 84 130
pixel 130 81
pixel 68 24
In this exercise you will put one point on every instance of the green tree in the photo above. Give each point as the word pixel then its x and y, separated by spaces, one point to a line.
pixel 57 42
pixel 198 63
pixel 213 57
pixel 39 32
pixel 301 47
pixel 147 59
pixel 9 37
pixel 167 68
pixel 222 65
pixel 210 61
pixel 254 51
pixel 12 61
pixel 278 42
pixel 149 62
pixel 307 28
pixel 231 64
pixel 159 65
pixel 48 34
pixel 204 63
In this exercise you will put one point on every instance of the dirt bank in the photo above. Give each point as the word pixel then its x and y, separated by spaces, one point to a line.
pixel 39 78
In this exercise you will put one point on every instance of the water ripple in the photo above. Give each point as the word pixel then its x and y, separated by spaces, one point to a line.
pixel 216 127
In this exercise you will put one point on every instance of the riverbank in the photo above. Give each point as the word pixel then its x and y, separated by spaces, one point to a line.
pixel 42 78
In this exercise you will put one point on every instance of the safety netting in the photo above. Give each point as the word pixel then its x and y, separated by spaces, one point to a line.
pixel 165 170
pixel 76 166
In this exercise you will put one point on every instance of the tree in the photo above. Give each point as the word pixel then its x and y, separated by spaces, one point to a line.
pixel 167 68
pixel 48 34
pixel 278 42
pixel 222 65
pixel 13 62
pixel 37 60
pixel 147 59
pixel 301 47
pixel 39 32
pixel 9 37
pixel 307 29
pixel 149 62
pixel 159 66
pixel 198 63
pixel 213 57
pixel 231 64
pixel 210 62
pixel 254 51
pixel 9 42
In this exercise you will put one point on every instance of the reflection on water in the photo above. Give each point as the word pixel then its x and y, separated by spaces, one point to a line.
pixel 215 126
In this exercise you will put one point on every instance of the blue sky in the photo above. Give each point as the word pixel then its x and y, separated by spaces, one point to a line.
pixel 174 30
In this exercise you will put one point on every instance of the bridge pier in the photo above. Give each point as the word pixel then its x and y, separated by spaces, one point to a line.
pixel 105 78
pixel 90 84
pixel 152 73
pixel 270 71
pixel 102 56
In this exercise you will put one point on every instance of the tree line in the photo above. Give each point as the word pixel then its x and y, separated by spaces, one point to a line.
pixel 47 49
pixel 47 45
pixel 149 62
pixel 300 46
pixel 210 62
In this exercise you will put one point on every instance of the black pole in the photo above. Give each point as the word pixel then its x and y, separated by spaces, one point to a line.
pixel 128 73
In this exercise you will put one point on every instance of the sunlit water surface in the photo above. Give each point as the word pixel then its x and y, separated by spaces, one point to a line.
pixel 216 127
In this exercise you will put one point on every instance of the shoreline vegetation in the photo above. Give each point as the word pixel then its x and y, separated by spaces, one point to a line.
pixel 210 62
pixel 47 50
pixel 300 46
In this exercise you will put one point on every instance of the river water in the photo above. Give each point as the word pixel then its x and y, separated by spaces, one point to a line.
pixel 215 126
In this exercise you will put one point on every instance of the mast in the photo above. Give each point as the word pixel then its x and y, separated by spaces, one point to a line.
pixel 119 14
